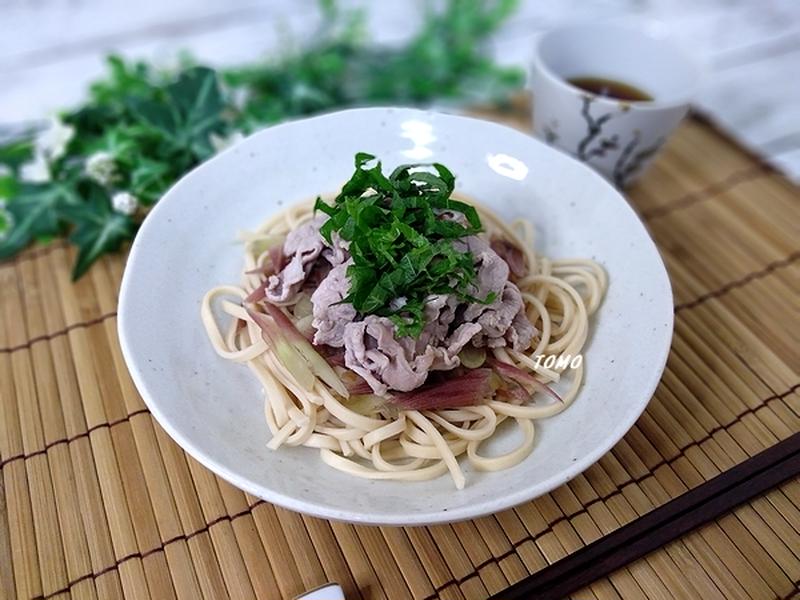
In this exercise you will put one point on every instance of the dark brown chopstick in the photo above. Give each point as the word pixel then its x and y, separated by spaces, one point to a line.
pixel 662 525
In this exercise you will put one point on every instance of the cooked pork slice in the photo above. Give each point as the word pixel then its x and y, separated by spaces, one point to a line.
pixel 301 249
pixel 372 351
pixel 330 314
pixel 497 317
pixel 338 252
pixel 389 363
pixel 371 346
pixel 463 335
pixel 492 275
pixel 439 313
pixel 521 332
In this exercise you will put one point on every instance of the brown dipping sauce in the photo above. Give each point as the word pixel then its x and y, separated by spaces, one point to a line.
pixel 610 88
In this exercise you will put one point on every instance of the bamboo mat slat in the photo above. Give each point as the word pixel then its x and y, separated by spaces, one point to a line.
pixel 96 501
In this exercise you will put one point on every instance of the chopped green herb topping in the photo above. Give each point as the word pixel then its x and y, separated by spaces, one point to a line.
pixel 402 247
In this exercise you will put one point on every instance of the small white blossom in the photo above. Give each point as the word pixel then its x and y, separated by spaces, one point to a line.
pixel 52 142
pixel 100 166
pixel 4 170
pixel 36 170
pixel 220 143
pixel 125 203
pixel 239 97
pixel 49 145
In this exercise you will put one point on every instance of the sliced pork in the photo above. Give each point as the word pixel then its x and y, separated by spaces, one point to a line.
pixel 384 361
pixel 301 249
pixel 371 346
pixel 331 315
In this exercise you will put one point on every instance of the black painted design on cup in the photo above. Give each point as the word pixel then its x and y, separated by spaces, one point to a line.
pixel 594 130
pixel 596 145
pixel 550 131
pixel 630 162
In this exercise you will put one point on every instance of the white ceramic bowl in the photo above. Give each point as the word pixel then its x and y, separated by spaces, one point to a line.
pixel 214 409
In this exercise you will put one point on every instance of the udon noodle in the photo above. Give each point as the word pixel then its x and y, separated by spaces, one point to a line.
pixel 377 440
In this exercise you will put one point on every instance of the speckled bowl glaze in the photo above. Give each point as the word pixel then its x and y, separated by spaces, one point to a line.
pixel 214 409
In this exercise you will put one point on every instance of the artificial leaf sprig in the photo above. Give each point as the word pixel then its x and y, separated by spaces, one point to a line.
pixel 95 171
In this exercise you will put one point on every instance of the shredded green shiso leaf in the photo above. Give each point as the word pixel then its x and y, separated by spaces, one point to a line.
pixel 402 248
pixel 95 172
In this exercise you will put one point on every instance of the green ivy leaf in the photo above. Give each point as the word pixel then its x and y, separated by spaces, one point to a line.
pixel 35 211
pixel 8 187
pixel 124 80
pixel 15 153
pixel 189 110
pixel 98 229
pixel 148 180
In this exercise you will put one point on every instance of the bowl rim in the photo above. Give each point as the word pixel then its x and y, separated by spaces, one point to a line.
pixel 433 517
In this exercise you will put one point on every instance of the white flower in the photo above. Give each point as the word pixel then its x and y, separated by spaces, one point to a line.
pixel 36 170
pixel 125 203
pixel 49 145
pixel 4 170
pixel 220 143
pixel 239 97
pixel 52 142
pixel 100 166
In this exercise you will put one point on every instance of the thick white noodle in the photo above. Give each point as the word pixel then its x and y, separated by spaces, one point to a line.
pixel 376 443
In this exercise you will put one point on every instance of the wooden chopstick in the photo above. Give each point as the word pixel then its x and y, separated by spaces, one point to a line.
pixel 662 525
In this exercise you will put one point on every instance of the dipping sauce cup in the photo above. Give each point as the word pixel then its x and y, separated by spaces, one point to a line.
pixel 618 137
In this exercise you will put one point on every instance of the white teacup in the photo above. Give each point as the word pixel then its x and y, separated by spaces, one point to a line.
pixel 617 137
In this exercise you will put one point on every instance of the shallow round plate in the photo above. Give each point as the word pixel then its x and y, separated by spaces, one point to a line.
pixel 214 408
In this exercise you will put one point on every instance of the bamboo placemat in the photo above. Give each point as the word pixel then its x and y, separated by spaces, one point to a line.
pixel 97 502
